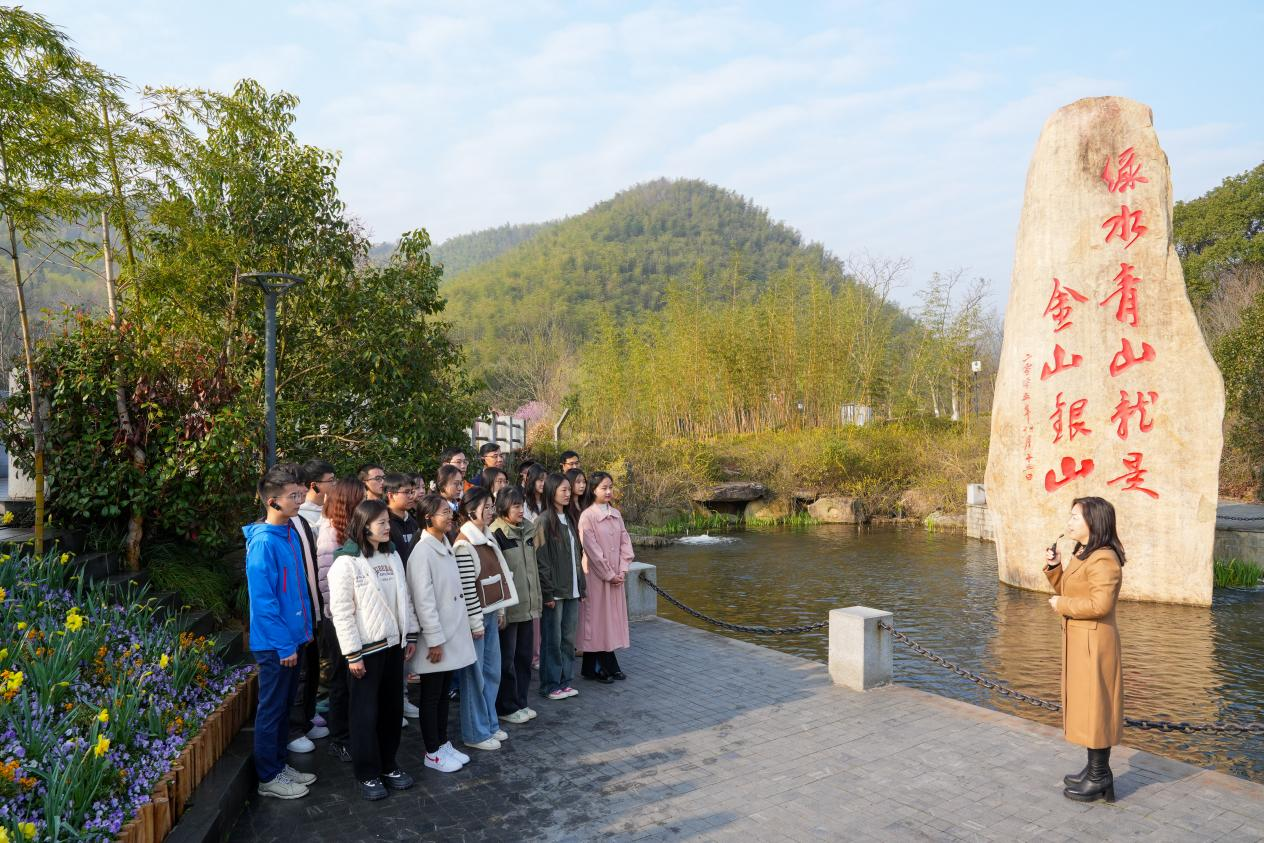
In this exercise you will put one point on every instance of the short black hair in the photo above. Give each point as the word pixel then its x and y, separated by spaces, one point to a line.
pixel 473 499
pixel 566 455
pixel 447 454
pixel 488 448
pixel 395 480
pixel 314 470
pixel 445 474
pixel 487 477
pixel 509 497
pixel 275 479
pixel 363 471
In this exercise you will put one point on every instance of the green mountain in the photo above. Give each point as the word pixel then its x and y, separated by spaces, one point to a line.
pixel 617 260
pixel 459 253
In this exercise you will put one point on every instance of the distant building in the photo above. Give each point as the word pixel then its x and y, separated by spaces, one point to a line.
pixel 857 414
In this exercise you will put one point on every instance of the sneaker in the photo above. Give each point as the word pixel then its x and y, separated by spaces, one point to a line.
pixel 295 776
pixel 557 694
pixel 570 692
pixel 319 721
pixel 535 664
pixel 403 722
pixel 442 763
pixel 398 780
pixel 411 711
pixel 300 744
pixel 452 752
pixel 489 744
pixel 322 707
pixel 373 790
pixel 317 732
pixel 282 787
pixel 519 716
pixel 339 750
pixel 531 713
pixel 500 735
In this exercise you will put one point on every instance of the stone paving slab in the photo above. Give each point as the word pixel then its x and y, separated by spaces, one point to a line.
pixel 715 739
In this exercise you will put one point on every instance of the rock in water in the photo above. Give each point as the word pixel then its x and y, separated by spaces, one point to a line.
pixel 1105 384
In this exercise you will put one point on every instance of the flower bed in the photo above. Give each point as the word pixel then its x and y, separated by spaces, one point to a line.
pixel 109 715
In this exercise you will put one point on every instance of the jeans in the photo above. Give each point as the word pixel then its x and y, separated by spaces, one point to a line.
pixel 377 706
pixel 308 684
pixel 479 683
pixel 557 645
pixel 277 686
pixel 516 643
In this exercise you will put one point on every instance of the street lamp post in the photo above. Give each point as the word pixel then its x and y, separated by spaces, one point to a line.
pixel 272 284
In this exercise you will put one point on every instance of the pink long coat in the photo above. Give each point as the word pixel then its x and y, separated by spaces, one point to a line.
pixel 603 616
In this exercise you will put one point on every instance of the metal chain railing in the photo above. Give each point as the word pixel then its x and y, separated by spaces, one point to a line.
pixel 733 627
pixel 1240 517
pixel 982 681
pixel 1133 722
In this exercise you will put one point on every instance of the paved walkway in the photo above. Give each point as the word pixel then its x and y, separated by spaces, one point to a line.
pixel 715 739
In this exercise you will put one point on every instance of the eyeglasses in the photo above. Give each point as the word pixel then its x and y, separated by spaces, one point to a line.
pixel 377 479
pixel 293 496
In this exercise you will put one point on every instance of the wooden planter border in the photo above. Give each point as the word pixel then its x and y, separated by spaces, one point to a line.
pixel 155 819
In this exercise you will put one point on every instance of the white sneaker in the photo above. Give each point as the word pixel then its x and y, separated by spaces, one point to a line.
pixel 411 711
pixel 403 722
pixel 282 787
pixel 442 763
pixel 301 778
pixel 519 716
pixel 300 744
pixel 449 749
pixel 531 713
pixel 489 744
pixel 500 735
pixel 317 732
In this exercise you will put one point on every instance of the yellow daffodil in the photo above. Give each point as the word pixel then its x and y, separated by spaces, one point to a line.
pixel 21 625
pixel 4 834
pixel 74 620
pixel 4 653
pixel 65 557
pixel 102 747
pixel 7 519
pixel 15 680
pixel 28 830
pixel 3 594
pixel 104 716
pixel 164 661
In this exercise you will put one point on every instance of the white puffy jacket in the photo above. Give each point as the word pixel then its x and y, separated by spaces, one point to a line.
pixel 363 619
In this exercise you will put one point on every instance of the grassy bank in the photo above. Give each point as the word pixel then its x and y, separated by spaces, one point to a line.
pixel 899 468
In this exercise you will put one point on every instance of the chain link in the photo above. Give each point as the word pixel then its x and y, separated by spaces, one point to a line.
pixel 1133 722
pixel 752 630
pixel 1185 727
pixel 1240 517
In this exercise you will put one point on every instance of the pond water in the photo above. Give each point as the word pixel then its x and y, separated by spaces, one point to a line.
pixel 1180 662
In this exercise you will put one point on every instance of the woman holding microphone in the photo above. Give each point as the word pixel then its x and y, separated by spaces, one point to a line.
pixel 1087 588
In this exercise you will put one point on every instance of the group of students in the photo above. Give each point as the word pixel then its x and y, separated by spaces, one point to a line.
pixel 462 590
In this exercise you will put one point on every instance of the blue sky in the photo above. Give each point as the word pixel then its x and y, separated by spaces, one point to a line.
pixel 898 129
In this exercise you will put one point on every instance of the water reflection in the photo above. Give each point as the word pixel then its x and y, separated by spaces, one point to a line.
pixel 1180 662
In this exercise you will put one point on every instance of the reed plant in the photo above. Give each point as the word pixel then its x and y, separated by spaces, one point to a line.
pixel 1237 573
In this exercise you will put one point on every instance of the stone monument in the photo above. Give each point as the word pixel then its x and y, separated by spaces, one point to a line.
pixel 1105 385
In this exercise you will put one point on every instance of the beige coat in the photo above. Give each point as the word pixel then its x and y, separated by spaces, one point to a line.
pixel 1092 669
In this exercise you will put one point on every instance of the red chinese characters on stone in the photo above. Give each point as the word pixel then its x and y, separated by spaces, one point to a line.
pixel 1126 357
pixel 1060 305
pixel 1125 410
pixel 1126 225
pixel 1134 476
pixel 1060 363
pixel 1126 289
pixel 1069 473
pixel 1074 419
pixel 1127 172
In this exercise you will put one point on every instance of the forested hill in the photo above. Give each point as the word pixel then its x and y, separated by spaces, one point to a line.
pixel 618 258
pixel 459 253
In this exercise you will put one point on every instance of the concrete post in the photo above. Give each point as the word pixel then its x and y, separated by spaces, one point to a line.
pixel 859 649
pixel 642 600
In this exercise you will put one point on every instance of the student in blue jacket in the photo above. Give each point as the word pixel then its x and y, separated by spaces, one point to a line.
pixel 280 627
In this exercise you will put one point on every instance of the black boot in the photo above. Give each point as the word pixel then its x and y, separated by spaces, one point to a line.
pixel 1099 784
pixel 1075 779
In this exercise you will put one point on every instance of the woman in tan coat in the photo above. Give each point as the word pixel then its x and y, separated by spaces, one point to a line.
pixel 1092 673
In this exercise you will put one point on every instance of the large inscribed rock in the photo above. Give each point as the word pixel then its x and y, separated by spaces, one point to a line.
pixel 1105 384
